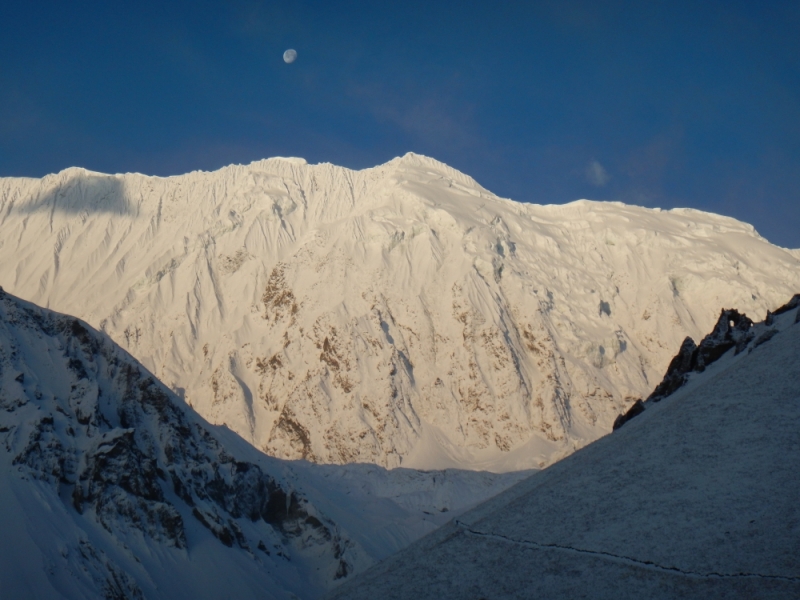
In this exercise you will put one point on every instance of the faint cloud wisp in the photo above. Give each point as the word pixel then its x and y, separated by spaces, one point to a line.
pixel 596 174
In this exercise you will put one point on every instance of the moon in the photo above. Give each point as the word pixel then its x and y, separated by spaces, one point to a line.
pixel 289 56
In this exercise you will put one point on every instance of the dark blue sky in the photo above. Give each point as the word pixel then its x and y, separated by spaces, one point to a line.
pixel 654 103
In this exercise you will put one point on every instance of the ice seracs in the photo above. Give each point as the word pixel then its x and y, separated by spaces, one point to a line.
pixel 401 315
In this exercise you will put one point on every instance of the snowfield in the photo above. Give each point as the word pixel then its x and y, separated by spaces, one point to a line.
pixel 400 315
pixel 695 497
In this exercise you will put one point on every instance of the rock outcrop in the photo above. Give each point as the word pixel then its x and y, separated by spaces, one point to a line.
pixel 116 447
pixel 733 330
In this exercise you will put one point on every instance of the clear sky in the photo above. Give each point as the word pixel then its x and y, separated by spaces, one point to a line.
pixel 654 103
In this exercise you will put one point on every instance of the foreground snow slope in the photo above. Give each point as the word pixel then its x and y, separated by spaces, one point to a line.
pixel 400 315
pixel 695 497
pixel 111 487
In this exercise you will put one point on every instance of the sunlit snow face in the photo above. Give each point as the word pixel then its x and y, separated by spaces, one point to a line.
pixel 289 56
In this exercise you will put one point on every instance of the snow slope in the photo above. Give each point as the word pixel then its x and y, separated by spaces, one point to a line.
pixel 695 497
pixel 110 486
pixel 399 315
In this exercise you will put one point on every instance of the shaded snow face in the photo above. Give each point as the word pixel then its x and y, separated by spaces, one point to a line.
pixel 695 497
pixel 400 315
pixel 93 440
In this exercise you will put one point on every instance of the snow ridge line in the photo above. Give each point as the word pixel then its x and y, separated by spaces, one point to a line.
pixel 618 557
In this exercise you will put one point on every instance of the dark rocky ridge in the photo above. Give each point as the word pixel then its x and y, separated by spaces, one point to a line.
pixel 733 330
pixel 122 450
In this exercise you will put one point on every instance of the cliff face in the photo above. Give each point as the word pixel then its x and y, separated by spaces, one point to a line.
pixel 400 315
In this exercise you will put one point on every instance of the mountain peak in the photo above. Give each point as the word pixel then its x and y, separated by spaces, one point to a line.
pixel 294 160
pixel 398 315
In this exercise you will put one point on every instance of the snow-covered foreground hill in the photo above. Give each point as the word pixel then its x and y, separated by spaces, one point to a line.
pixel 400 315
pixel 110 486
pixel 696 497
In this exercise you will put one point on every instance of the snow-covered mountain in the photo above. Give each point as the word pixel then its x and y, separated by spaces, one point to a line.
pixel 400 315
pixel 695 497
pixel 110 486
